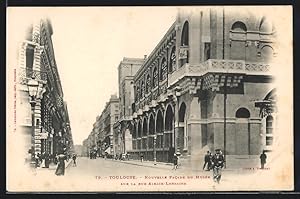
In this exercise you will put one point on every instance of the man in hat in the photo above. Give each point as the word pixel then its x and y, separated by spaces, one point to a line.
pixel 207 160
pixel 217 165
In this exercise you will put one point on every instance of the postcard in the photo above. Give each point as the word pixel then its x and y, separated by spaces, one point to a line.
pixel 149 99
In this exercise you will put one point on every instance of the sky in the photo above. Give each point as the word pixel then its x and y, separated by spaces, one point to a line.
pixel 89 43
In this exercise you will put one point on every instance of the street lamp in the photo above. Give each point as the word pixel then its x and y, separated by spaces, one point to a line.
pixel 154 149
pixel 177 94
pixel 33 90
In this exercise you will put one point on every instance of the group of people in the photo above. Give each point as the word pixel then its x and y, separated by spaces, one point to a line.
pixel 43 160
pixel 217 161
pixel 214 162
pixel 60 169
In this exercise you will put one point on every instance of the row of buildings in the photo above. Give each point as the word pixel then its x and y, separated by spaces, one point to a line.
pixel 43 113
pixel 206 85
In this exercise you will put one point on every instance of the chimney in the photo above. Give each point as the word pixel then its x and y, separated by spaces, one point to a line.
pixel 145 56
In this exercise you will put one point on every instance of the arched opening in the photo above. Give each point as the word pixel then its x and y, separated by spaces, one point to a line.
pixel 163 69
pixel 184 44
pixel 151 125
pixel 148 84
pixel 172 62
pixel 242 113
pixel 239 26
pixel 182 131
pixel 267 53
pixel 151 132
pixel 242 132
pixel 134 136
pixel 139 135
pixel 155 77
pixel 159 129
pixel 144 134
pixel 142 89
pixel 169 123
pixel 185 34
pixel 238 43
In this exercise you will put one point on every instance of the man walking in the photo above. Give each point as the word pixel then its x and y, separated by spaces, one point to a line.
pixel 207 161
pixel 74 160
pixel 217 165
pixel 263 158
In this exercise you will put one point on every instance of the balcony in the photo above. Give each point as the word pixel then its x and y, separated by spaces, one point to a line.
pixel 26 74
pixel 220 66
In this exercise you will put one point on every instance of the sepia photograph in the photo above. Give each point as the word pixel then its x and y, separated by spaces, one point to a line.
pixel 149 99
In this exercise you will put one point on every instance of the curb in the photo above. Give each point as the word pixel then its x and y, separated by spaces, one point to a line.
pixel 144 165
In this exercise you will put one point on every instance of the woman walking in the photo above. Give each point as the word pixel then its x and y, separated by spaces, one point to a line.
pixel 60 170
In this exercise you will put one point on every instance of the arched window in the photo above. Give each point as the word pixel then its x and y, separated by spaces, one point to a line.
pixel 148 84
pixel 163 69
pixel 185 34
pixel 242 113
pixel 238 41
pixel 172 62
pixel 155 77
pixel 137 94
pixel 142 89
pixel 239 26
pixel 267 53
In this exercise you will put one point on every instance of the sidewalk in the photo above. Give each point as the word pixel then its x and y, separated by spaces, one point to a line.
pixel 158 165
pixel 52 167
pixel 169 166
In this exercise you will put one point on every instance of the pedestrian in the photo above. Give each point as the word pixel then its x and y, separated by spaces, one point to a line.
pixel 207 161
pixel 74 160
pixel 142 157
pixel 175 161
pixel 37 157
pixel 263 158
pixel 217 165
pixel 60 170
pixel 47 160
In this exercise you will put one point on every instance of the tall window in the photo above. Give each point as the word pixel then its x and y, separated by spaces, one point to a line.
pixel 155 77
pixel 238 44
pixel 142 89
pixel 148 83
pixel 269 130
pixel 163 69
pixel 137 92
pixel 172 60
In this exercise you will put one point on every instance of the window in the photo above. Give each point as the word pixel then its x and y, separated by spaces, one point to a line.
pixel 206 51
pixel 148 83
pixel 242 113
pixel 172 60
pixel 163 69
pixel 269 141
pixel 239 27
pixel 269 125
pixel 142 89
pixel 155 77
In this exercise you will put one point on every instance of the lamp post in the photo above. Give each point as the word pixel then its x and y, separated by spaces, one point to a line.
pixel 154 149
pixel 33 90
pixel 177 94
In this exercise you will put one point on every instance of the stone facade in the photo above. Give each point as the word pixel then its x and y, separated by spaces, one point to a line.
pixel 211 66
pixel 102 137
pixel 36 58
pixel 122 128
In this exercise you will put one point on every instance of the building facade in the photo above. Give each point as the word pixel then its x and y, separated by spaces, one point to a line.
pixel 51 125
pixel 207 85
pixel 122 128
pixel 101 138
